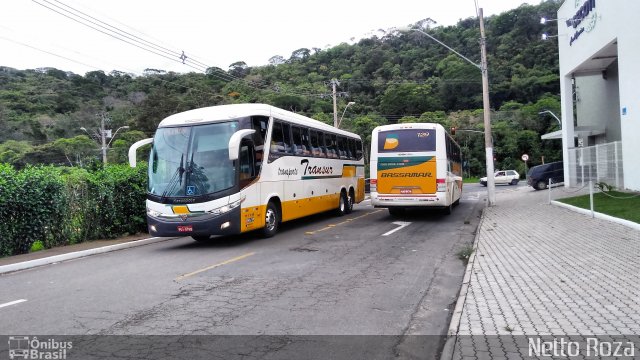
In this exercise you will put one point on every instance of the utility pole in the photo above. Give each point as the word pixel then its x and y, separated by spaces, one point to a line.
pixel 103 137
pixel 334 83
pixel 488 141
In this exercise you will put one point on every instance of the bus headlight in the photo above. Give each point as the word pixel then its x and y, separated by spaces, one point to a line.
pixel 225 209
pixel 153 213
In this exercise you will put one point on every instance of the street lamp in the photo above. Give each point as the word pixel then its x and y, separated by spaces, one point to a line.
pixel 491 188
pixel 552 114
pixel 345 110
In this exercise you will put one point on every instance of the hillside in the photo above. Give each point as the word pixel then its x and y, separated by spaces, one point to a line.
pixel 391 77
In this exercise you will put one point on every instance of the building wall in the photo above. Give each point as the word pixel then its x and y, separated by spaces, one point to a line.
pixel 610 23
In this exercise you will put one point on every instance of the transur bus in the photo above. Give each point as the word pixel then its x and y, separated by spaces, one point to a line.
pixel 235 168
pixel 414 165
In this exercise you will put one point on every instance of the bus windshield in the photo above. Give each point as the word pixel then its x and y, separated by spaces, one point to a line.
pixel 407 140
pixel 191 160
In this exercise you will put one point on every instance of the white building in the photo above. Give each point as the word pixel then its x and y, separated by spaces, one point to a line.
pixel 599 47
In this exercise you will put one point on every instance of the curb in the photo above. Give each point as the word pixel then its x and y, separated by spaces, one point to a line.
pixel 452 334
pixel 598 215
pixel 77 254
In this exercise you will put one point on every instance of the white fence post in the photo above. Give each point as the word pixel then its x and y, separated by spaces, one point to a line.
pixel 615 146
pixel 591 198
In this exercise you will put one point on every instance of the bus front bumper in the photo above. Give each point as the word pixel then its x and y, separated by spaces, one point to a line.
pixel 196 225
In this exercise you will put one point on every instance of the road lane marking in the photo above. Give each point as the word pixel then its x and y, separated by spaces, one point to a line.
pixel 331 226
pixel 401 224
pixel 215 266
pixel 12 303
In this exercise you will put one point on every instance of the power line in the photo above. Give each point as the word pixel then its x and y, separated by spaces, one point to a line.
pixel 143 44
pixel 48 52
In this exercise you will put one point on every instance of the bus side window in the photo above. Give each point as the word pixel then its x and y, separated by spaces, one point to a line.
pixel 342 147
pixel 286 132
pixel 306 144
pixel 323 144
pixel 315 144
pixel 259 124
pixel 298 146
pixel 358 149
pixel 351 151
pixel 277 141
pixel 332 146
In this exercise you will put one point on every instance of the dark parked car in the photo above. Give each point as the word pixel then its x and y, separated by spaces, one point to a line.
pixel 539 176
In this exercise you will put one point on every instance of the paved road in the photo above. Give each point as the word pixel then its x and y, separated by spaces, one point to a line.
pixel 362 274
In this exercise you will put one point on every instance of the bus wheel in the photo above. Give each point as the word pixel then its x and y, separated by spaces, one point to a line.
pixel 394 211
pixel 448 209
pixel 271 220
pixel 343 204
pixel 349 208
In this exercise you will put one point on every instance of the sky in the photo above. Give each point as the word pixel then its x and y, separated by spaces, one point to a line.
pixel 43 33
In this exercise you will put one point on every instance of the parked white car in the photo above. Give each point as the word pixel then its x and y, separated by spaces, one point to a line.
pixel 509 177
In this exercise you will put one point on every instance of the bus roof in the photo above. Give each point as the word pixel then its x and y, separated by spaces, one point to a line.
pixel 235 111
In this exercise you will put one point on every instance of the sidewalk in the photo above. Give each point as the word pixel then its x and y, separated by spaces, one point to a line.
pixel 541 269
pixel 62 253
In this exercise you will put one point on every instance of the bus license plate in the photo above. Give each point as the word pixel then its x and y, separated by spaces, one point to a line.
pixel 406 191
pixel 185 228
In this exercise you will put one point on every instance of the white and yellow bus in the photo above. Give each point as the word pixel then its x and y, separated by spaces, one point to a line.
pixel 235 168
pixel 414 165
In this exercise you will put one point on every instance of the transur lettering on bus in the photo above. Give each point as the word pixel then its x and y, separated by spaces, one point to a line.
pixel 316 170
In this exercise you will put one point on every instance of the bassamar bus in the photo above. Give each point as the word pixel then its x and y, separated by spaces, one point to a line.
pixel 414 165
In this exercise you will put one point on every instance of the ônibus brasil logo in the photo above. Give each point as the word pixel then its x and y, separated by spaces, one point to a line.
pixel 25 347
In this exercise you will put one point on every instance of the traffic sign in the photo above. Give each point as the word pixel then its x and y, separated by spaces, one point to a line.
pixel 525 157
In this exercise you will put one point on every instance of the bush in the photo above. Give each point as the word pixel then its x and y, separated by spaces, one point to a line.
pixel 33 205
pixel 59 206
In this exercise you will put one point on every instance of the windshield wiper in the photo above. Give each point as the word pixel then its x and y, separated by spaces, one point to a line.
pixel 176 178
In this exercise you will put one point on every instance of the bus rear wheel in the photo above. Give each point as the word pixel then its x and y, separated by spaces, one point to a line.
pixel 271 220
pixel 343 204
pixel 350 198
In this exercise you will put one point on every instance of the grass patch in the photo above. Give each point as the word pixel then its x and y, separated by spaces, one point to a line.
pixel 465 253
pixel 37 246
pixel 624 206
pixel 471 180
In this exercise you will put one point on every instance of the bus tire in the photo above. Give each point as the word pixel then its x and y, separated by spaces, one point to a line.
pixel 350 200
pixel 448 209
pixel 395 211
pixel 342 204
pixel 271 220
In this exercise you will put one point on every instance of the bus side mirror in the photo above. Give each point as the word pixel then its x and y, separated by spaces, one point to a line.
pixel 234 142
pixel 134 147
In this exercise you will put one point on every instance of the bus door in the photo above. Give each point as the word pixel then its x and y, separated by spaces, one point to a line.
pixel 249 163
